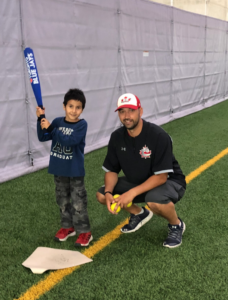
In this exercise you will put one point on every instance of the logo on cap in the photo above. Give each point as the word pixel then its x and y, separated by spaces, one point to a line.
pixel 125 99
pixel 128 101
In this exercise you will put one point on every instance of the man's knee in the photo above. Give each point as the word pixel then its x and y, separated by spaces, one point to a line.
pixel 100 198
pixel 157 208
pixel 154 207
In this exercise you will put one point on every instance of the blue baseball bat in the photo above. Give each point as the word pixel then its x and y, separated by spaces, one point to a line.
pixel 34 76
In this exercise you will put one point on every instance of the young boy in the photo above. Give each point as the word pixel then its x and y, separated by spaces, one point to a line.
pixel 67 165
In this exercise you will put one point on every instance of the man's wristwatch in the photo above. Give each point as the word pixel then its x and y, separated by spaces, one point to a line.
pixel 107 192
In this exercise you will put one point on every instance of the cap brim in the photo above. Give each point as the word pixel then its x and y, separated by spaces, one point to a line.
pixel 127 106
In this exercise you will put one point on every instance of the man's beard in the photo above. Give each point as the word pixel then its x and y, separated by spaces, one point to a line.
pixel 135 124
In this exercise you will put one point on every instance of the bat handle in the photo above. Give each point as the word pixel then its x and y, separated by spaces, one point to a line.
pixel 43 117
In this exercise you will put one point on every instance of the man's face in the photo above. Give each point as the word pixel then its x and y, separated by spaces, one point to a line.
pixel 130 117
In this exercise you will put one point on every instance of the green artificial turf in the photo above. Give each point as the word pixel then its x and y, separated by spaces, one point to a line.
pixel 135 266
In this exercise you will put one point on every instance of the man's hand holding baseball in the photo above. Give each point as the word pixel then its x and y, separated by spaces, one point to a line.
pixel 126 198
pixel 109 200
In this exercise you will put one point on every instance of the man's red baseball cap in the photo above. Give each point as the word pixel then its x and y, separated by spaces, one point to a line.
pixel 129 101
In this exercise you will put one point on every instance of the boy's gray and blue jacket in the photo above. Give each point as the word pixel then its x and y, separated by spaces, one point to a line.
pixel 67 149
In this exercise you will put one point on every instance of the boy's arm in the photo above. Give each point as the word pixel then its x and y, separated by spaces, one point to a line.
pixel 42 136
pixel 70 138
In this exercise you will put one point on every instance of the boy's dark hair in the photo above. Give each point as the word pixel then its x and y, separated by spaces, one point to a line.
pixel 75 94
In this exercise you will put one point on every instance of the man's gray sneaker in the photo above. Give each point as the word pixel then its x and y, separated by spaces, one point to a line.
pixel 175 233
pixel 137 221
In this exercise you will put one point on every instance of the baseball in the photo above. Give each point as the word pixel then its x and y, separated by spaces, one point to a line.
pixel 113 207
pixel 114 204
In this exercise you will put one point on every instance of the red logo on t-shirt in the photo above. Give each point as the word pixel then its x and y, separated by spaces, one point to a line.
pixel 145 152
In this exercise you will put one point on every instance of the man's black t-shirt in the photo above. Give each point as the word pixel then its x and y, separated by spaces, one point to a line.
pixel 149 153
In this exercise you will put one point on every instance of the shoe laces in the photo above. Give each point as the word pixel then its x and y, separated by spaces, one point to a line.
pixel 63 230
pixel 134 219
pixel 85 236
pixel 174 233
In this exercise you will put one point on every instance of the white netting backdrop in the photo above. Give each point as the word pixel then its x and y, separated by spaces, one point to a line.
pixel 174 61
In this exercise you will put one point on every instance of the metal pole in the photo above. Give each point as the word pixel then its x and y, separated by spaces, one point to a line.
pixel 25 76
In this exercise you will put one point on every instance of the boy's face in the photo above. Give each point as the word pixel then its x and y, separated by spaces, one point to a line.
pixel 73 110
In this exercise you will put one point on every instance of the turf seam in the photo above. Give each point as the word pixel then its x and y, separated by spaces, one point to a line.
pixel 46 284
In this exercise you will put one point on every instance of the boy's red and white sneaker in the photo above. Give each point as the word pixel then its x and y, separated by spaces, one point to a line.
pixel 84 239
pixel 63 234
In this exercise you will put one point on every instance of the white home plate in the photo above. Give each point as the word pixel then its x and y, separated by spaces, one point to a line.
pixel 43 259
